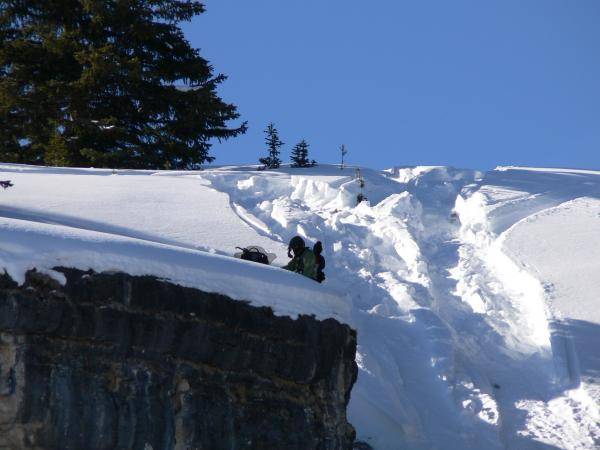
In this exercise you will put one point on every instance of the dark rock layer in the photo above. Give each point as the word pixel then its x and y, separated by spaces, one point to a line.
pixel 111 361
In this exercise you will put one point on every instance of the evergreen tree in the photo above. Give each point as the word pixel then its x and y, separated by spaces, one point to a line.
pixel 86 82
pixel 300 155
pixel 273 143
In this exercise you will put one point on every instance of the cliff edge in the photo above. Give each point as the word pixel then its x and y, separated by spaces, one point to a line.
pixel 113 361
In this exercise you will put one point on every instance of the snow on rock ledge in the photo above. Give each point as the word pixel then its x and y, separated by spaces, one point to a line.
pixel 25 245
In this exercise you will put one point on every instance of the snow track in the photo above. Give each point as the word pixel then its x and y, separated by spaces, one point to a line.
pixel 455 337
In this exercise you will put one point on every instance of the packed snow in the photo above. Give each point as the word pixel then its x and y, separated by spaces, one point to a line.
pixel 475 295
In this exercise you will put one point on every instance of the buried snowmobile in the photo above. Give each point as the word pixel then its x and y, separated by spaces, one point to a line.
pixel 256 254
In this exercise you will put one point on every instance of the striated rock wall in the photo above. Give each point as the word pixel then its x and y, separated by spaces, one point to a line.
pixel 111 361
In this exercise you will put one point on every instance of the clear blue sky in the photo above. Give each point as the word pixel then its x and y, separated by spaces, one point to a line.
pixel 464 83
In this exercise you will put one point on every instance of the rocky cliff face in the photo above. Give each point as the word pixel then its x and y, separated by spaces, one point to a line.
pixel 111 361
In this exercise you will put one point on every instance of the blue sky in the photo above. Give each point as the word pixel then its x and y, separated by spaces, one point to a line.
pixel 464 83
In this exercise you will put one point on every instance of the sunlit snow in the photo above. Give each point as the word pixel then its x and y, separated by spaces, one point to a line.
pixel 475 295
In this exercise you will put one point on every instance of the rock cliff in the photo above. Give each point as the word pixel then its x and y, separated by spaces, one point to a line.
pixel 112 361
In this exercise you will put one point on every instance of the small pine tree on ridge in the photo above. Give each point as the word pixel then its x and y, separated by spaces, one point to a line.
pixel 274 144
pixel 300 155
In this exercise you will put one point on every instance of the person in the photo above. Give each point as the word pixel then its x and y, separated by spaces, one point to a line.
pixel 320 261
pixel 304 261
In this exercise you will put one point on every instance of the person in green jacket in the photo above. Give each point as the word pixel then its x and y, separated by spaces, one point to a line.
pixel 303 261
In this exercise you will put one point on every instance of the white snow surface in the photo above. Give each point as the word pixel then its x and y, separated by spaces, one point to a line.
pixel 476 296
pixel 174 227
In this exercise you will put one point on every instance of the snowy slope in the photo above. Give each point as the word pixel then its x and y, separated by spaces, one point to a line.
pixel 144 224
pixel 561 247
pixel 547 221
pixel 474 295
pixel 131 204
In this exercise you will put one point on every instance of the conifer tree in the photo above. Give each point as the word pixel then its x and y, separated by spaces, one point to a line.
pixel 96 83
pixel 300 155
pixel 273 143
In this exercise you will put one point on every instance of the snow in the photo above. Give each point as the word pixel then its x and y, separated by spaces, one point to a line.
pixel 161 209
pixel 535 231
pixel 146 225
pixel 475 295
pixel 561 246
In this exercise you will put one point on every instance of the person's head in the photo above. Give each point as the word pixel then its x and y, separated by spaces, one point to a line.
pixel 296 245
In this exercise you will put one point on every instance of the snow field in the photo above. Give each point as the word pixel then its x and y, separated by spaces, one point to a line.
pixel 460 290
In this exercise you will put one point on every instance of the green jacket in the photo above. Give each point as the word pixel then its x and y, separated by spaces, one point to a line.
pixel 305 264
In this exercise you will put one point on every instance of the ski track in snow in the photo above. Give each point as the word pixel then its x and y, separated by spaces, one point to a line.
pixel 465 340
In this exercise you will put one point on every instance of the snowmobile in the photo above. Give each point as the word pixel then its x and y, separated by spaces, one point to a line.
pixel 256 254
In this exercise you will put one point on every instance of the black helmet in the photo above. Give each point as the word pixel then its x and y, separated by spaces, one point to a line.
pixel 296 244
